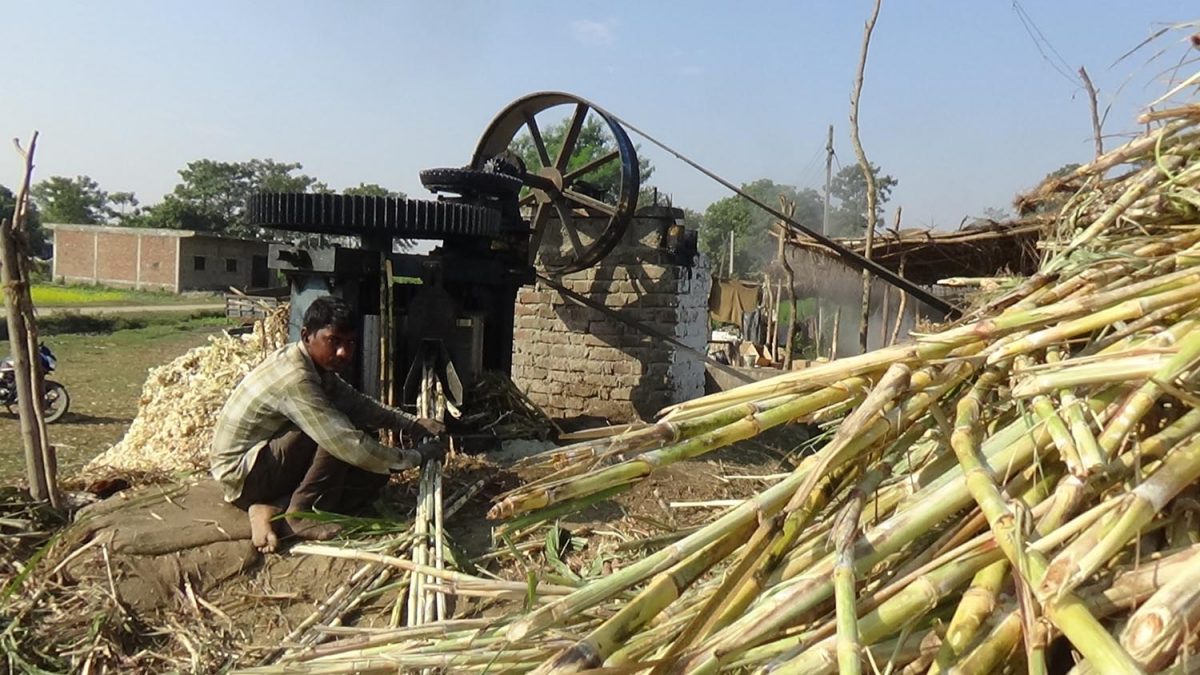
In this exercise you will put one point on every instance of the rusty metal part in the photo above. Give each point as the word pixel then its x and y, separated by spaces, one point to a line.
pixel 471 182
pixel 346 214
pixel 557 187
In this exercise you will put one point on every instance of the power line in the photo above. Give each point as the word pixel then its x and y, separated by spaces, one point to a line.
pixel 1043 44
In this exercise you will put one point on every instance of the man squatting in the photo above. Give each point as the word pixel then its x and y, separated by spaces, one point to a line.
pixel 294 436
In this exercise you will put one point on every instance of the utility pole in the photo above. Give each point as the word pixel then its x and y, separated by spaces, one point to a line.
pixel 825 231
pixel 731 254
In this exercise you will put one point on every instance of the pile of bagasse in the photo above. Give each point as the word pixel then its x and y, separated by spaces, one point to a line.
pixel 1015 493
pixel 180 402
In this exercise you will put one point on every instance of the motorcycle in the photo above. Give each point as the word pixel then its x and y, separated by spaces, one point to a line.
pixel 55 400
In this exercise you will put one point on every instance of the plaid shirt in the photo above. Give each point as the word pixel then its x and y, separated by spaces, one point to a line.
pixel 287 391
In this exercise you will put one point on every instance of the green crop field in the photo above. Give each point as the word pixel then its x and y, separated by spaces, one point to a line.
pixel 56 295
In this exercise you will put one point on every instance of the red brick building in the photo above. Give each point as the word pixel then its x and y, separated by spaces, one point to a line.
pixel 173 260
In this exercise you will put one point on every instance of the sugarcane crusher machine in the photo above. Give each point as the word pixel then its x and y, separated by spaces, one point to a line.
pixel 432 325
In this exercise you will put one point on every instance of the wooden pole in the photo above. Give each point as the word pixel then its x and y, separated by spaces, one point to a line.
pixel 900 309
pixel 868 173
pixel 40 462
pixel 837 322
pixel 731 255
pixel 818 339
pixel 1096 123
pixel 789 209
pixel 887 290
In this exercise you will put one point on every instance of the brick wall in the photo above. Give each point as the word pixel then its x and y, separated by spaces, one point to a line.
pixel 113 256
pixel 574 360
pixel 155 259
pixel 158 262
pixel 73 255
pixel 217 253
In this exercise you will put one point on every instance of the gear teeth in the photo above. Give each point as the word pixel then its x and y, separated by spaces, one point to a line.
pixel 348 214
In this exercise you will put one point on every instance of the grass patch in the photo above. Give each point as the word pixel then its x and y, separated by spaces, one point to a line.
pixel 104 374
pixel 59 295
pixel 74 323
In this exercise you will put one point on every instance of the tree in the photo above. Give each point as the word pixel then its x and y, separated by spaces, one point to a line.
pixel 211 196
pixel 849 187
pixel 76 200
pixel 372 190
pixel 33 221
pixel 753 245
pixel 123 206
pixel 594 142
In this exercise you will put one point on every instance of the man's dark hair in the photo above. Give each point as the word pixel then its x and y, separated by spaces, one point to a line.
pixel 329 310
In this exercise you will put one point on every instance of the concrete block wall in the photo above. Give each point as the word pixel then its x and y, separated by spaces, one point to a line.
pixel 573 360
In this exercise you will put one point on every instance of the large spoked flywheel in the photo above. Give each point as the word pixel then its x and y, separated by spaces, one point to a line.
pixel 581 176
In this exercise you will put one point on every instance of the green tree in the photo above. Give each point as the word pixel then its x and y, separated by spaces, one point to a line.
pixel 595 141
pixel 753 245
pixel 76 200
pixel 211 196
pixel 37 235
pixel 123 206
pixel 849 187
pixel 372 190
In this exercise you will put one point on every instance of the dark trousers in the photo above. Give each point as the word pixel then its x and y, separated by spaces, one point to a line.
pixel 292 468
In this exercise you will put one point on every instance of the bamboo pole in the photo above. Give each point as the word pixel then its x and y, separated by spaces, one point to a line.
pixel 868 173
pixel 40 463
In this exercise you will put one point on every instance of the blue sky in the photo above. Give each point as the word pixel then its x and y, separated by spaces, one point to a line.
pixel 958 103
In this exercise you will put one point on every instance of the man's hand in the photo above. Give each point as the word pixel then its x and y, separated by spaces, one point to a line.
pixel 432 451
pixel 427 427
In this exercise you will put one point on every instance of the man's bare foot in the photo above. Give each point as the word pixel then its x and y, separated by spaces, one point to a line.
pixel 311 530
pixel 262 530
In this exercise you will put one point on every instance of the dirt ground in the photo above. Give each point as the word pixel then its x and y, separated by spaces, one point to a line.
pixel 168 584
pixel 104 375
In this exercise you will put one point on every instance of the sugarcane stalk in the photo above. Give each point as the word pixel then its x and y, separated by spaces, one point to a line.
pixel 1066 612
pixel 845 532
pixel 1157 630
pixel 439 537
pixel 1142 400
pixel 642 465
pixel 1136 508
pixel 664 589
pixel 977 604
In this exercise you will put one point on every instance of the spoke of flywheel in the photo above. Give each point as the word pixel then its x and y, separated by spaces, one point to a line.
pixel 590 166
pixel 568 146
pixel 536 134
pixel 528 199
pixel 590 202
pixel 568 225
pixel 537 229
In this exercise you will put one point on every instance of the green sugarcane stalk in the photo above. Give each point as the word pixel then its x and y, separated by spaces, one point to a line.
pixel 917 599
pixel 845 532
pixel 1124 311
pixel 807 586
pixel 641 466
pixel 1067 612
pixel 745 582
pixel 1060 435
pixel 1000 642
pixel 922 593
pixel 1136 509
pixel 1143 183
pixel 664 589
pixel 1157 630
pixel 1140 402
pixel 1107 371
pixel 1061 311
pixel 977 604
pixel 1091 457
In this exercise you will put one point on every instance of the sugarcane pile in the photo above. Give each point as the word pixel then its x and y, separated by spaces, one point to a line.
pixel 180 402
pixel 1017 490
